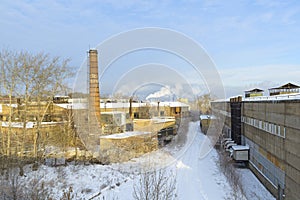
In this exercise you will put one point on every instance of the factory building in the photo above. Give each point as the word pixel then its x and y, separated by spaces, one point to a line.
pixel 270 127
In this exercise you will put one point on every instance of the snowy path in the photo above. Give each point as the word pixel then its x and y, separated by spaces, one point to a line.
pixel 199 178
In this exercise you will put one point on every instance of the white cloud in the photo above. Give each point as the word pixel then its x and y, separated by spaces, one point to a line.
pixel 163 92
pixel 237 80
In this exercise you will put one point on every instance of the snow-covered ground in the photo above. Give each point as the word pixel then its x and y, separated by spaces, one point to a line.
pixel 195 178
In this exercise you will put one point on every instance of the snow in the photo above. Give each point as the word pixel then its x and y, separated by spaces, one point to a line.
pixel 162 119
pixel 203 117
pixel 252 187
pixel 171 104
pixel 281 97
pixel 122 105
pixel 291 96
pixel 125 135
pixel 12 105
pixel 18 124
pixel 157 120
pixel 75 106
pixel 28 124
pixel 181 165
pixel 240 147
pixel 196 177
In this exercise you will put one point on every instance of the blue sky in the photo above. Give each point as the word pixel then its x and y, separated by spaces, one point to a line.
pixel 252 42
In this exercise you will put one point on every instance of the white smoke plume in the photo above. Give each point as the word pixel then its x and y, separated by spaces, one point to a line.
pixel 164 91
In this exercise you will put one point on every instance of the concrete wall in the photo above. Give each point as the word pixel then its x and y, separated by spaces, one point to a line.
pixel 281 150
pixel 222 109
pixel 273 153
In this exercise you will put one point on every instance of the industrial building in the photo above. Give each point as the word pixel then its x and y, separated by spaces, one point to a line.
pixel 66 122
pixel 270 127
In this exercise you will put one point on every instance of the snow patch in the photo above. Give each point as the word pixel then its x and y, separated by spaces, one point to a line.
pixel 180 165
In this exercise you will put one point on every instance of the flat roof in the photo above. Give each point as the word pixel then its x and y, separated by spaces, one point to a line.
pixel 240 147
pixel 125 135
pixel 281 97
pixel 207 117
pixel 171 104
pixel 122 105
pixel 75 106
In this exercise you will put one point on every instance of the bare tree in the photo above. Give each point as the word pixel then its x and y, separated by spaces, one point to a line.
pixel 203 103
pixel 34 79
pixel 10 186
pixel 155 185
pixel 9 81
pixel 232 175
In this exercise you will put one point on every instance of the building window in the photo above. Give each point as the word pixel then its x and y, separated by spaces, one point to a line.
pixel 136 115
pixel 266 126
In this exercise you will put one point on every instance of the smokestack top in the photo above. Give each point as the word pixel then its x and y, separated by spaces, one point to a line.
pixel 93 51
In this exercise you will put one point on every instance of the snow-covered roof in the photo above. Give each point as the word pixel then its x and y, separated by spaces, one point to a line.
pixel 156 120
pixel 28 124
pixel 18 124
pixel 254 90
pixel 61 96
pixel 75 106
pixel 162 119
pixel 171 104
pixel 125 135
pixel 287 86
pixel 14 105
pixel 121 105
pixel 207 117
pixel 240 147
pixel 112 113
pixel 281 97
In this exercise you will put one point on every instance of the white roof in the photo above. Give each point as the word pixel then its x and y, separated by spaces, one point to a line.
pixel 240 147
pixel 157 119
pixel 281 97
pixel 75 106
pixel 12 105
pixel 28 124
pixel 121 105
pixel 63 96
pixel 18 124
pixel 125 135
pixel 113 113
pixel 207 117
pixel 171 104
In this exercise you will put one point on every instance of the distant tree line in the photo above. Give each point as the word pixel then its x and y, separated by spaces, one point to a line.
pixel 202 104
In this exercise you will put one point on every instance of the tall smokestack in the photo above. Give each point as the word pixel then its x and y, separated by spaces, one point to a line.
pixel 130 107
pixel 158 113
pixel 94 102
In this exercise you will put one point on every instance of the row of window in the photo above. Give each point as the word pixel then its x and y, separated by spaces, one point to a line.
pixel 266 126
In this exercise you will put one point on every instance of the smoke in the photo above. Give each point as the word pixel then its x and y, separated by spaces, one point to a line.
pixel 164 91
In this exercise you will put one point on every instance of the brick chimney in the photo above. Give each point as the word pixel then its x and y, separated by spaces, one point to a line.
pixel 94 100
